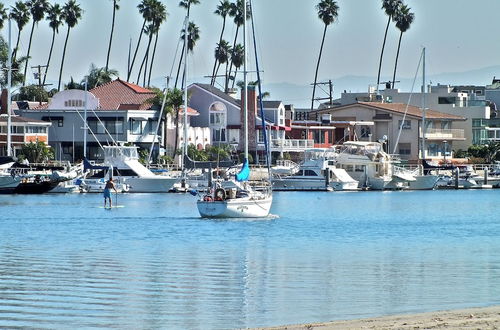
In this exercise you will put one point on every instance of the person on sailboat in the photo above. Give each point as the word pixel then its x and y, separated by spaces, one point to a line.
pixel 107 191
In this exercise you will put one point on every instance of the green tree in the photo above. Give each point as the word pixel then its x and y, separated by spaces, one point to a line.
pixel 37 152
pixel 54 16
pixel 99 76
pixel 328 14
pixel 116 7
pixel 21 15
pixel 390 8
pixel 33 93
pixel 71 13
pixel 404 19
pixel 222 10
pixel 192 37
pixel 222 54
pixel 175 99
pixel 17 75
pixel 187 4
pixel 3 15
pixel 37 8
pixel 146 9
pixel 237 12
pixel 237 58
pixel 160 17
pixel 71 85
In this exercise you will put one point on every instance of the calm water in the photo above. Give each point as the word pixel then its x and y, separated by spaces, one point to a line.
pixel 65 262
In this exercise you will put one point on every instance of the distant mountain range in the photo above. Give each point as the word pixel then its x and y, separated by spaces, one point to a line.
pixel 300 95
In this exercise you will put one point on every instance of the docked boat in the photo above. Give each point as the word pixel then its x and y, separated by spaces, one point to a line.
pixel 129 172
pixel 365 162
pixel 315 173
pixel 8 182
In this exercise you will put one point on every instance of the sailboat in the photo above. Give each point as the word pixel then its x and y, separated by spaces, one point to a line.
pixel 234 197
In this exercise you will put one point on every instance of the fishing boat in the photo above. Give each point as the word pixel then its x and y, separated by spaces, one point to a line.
pixel 235 197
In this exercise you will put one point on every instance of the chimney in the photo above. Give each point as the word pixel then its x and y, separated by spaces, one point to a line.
pixel 3 102
pixel 252 114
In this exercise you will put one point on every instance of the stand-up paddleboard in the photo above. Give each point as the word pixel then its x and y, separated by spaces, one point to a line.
pixel 112 207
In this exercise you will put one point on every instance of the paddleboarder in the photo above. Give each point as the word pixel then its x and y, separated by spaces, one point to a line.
pixel 107 191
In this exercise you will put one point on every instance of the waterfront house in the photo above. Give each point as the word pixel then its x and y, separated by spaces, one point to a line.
pixel 386 119
pixel 116 112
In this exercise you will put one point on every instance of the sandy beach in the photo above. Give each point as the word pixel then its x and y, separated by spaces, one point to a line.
pixel 473 318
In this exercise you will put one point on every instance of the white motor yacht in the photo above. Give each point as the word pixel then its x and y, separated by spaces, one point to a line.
pixel 129 172
pixel 365 162
pixel 316 172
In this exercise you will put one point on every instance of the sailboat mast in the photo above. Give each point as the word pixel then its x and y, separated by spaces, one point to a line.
pixel 423 104
pixel 186 33
pixel 9 85
pixel 245 78
pixel 85 126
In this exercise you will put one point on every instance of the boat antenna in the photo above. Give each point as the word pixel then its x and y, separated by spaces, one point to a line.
pixel 9 96
pixel 261 103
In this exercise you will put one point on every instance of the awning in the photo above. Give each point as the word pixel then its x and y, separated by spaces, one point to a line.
pixel 138 118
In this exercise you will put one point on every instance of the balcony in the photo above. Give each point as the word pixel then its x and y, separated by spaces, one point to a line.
pixel 289 145
pixel 444 134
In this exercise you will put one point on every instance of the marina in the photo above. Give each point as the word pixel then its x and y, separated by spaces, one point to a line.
pixel 156 263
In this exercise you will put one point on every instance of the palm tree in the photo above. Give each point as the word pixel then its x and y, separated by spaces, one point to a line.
pixel 3 15
pixel 237 58
pixel 237 12
pixel 99 76
pixel 160 17
pixel 175 98
pixel 390 7
pixel 21 15
pixel 328 13
pixel 222 10
pixel 37 9
pixel 71 13
pixel 55 20
pixel 150 31
pixel 115 8
pixel 187 4
pixel 404 19
pixel 222 54
pixel 193 36
pixel 146 8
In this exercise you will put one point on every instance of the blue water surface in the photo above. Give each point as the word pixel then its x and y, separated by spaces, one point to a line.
pixel 67 262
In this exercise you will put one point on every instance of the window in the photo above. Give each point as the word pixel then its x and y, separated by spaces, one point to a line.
pixel 365 132
pixel 479 92
pixel 67 148
pixel 152 126
pixel 406 124
pixel 74 103
pixel 17 129
pixel 309 173
pixel 36 130
pixel 447 100
pixel 3 129
pixel 405 149
pixel 432 150
pixel 135 127
pixel 445 124
pixel 219 135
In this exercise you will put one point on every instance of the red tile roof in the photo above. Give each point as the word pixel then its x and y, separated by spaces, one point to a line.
pixel 119 94
pixel 191 111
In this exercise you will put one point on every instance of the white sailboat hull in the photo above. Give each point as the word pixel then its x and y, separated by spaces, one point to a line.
pixel 156 184
pixel 424 182
pixel 244 207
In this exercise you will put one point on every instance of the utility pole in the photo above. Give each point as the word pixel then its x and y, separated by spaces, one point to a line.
pixel 38 75
pixel 329 92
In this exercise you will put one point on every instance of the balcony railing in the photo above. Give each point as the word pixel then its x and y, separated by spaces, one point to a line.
pixel 444 134
pixel 291 145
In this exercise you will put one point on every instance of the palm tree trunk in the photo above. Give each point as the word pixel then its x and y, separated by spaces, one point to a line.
pixel 382 52
pixel 129 73
pixel 50 55
pixel 28 55
pixel 231 64
pixel 111 35
pixel 14 52
pixel 317 67
pixel 214 76
pixel 397 57
pixel 62 60
pixel 179 67
pixel 144 60
pixel 217 70
pixel 152 59
pixel 145 68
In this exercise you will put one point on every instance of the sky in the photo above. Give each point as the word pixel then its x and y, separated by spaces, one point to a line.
pixel 459 35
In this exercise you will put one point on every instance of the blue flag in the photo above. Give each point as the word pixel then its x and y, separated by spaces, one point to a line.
pixel 244 174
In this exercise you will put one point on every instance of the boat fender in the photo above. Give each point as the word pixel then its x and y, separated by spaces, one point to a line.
pixel 220 194
pixel 207 198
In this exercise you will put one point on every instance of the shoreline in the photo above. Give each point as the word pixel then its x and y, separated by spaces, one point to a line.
pixel 470 318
